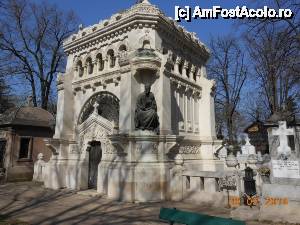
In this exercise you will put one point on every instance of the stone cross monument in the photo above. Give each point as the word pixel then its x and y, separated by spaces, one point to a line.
pixel 282 132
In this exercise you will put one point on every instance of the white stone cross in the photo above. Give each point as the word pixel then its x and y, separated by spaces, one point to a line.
pixel 248 149
pixel 282 132
pixel 247 139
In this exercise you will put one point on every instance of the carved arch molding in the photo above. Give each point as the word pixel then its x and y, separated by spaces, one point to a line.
pixel 108 107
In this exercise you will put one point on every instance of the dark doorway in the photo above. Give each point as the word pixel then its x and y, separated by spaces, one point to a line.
pixel 2 152
pixel 95 154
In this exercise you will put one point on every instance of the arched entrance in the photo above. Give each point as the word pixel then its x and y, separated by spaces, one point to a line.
pixel 98 119
pixel 95 155
pixel 2 152
pixel 105 104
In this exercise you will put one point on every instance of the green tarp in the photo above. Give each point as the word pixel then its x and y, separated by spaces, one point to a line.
pixel 188 218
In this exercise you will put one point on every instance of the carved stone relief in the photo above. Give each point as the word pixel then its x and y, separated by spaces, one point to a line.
pixel 190 149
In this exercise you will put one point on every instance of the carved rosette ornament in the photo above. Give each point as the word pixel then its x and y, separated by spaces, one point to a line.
pixel 147 148
pixel 190 149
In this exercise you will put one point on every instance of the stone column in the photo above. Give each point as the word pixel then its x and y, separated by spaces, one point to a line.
pixel 206 109
pixel 196 113
pixel 94 66
pixel 65 111
pixel 85 70
pixel 165 110
pixel 106 64
pixel 185 69
pixel 130 89
pixel 209 184
pixel 203 72
pixel 198 75
pixel 193 70
pixel 117 60
pixel 176 67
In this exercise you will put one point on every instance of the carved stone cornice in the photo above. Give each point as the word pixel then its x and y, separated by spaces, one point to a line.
pixel 137 17
pixel 96 81
pixel 186 84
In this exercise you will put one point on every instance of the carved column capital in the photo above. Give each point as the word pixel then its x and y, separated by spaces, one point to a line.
pixel 178 60
pixel 186 64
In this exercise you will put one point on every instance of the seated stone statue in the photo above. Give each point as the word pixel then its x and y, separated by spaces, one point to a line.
pixel 146 117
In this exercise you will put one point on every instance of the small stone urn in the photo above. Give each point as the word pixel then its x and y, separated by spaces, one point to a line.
pixel 179 161
pixel 252 159
pixel 231 160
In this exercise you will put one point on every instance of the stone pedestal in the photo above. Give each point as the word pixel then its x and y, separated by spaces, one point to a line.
pixel 143 175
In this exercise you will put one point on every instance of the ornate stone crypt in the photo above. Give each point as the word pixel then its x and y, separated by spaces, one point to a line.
pixel 96 142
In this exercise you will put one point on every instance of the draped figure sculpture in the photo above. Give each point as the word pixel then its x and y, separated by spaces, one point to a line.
pixel 146 117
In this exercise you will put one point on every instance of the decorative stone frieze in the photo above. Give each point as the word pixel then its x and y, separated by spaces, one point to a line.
pixel 96 81
pixel 190 149
pixel 130 19
pixel 186 86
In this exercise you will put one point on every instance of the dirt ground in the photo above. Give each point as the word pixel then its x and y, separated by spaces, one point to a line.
pixel 31 203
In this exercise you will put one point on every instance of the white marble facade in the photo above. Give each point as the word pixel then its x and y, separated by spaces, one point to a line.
pixel 107 66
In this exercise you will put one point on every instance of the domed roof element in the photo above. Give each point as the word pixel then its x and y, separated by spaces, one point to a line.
pixel 27 116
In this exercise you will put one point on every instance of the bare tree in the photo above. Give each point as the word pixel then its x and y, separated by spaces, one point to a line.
pixel 31 39
pixel 5 100
pixel 274 48
pixel 275 57
pixel 292 25
pixel 228 68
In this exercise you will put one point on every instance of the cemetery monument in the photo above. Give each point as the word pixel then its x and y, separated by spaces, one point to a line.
pixel 135 110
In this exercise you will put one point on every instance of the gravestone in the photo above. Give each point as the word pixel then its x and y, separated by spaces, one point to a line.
pixel 286 169
pixel 282 133
pixel 285 175
pixel 228 183
pixel 248 152
pixel 284 165
pixel 248 148
pixel 249 182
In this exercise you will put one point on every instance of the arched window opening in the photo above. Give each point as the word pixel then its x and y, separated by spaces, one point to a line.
pixel 100 62
pixel 165 51
pixel 79 68
pixel 195 75
pixel 180 67
pixel 123 48
pixel 90 66
pixel 188 71
pixel 111 58
pixel 146 44
pixel 174 58
pixel 122 51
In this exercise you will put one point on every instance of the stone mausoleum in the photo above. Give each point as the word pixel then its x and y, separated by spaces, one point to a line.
pixel 97 142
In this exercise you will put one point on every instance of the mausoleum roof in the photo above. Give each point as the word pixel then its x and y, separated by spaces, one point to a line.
pixel 27 116
pixel 142 14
